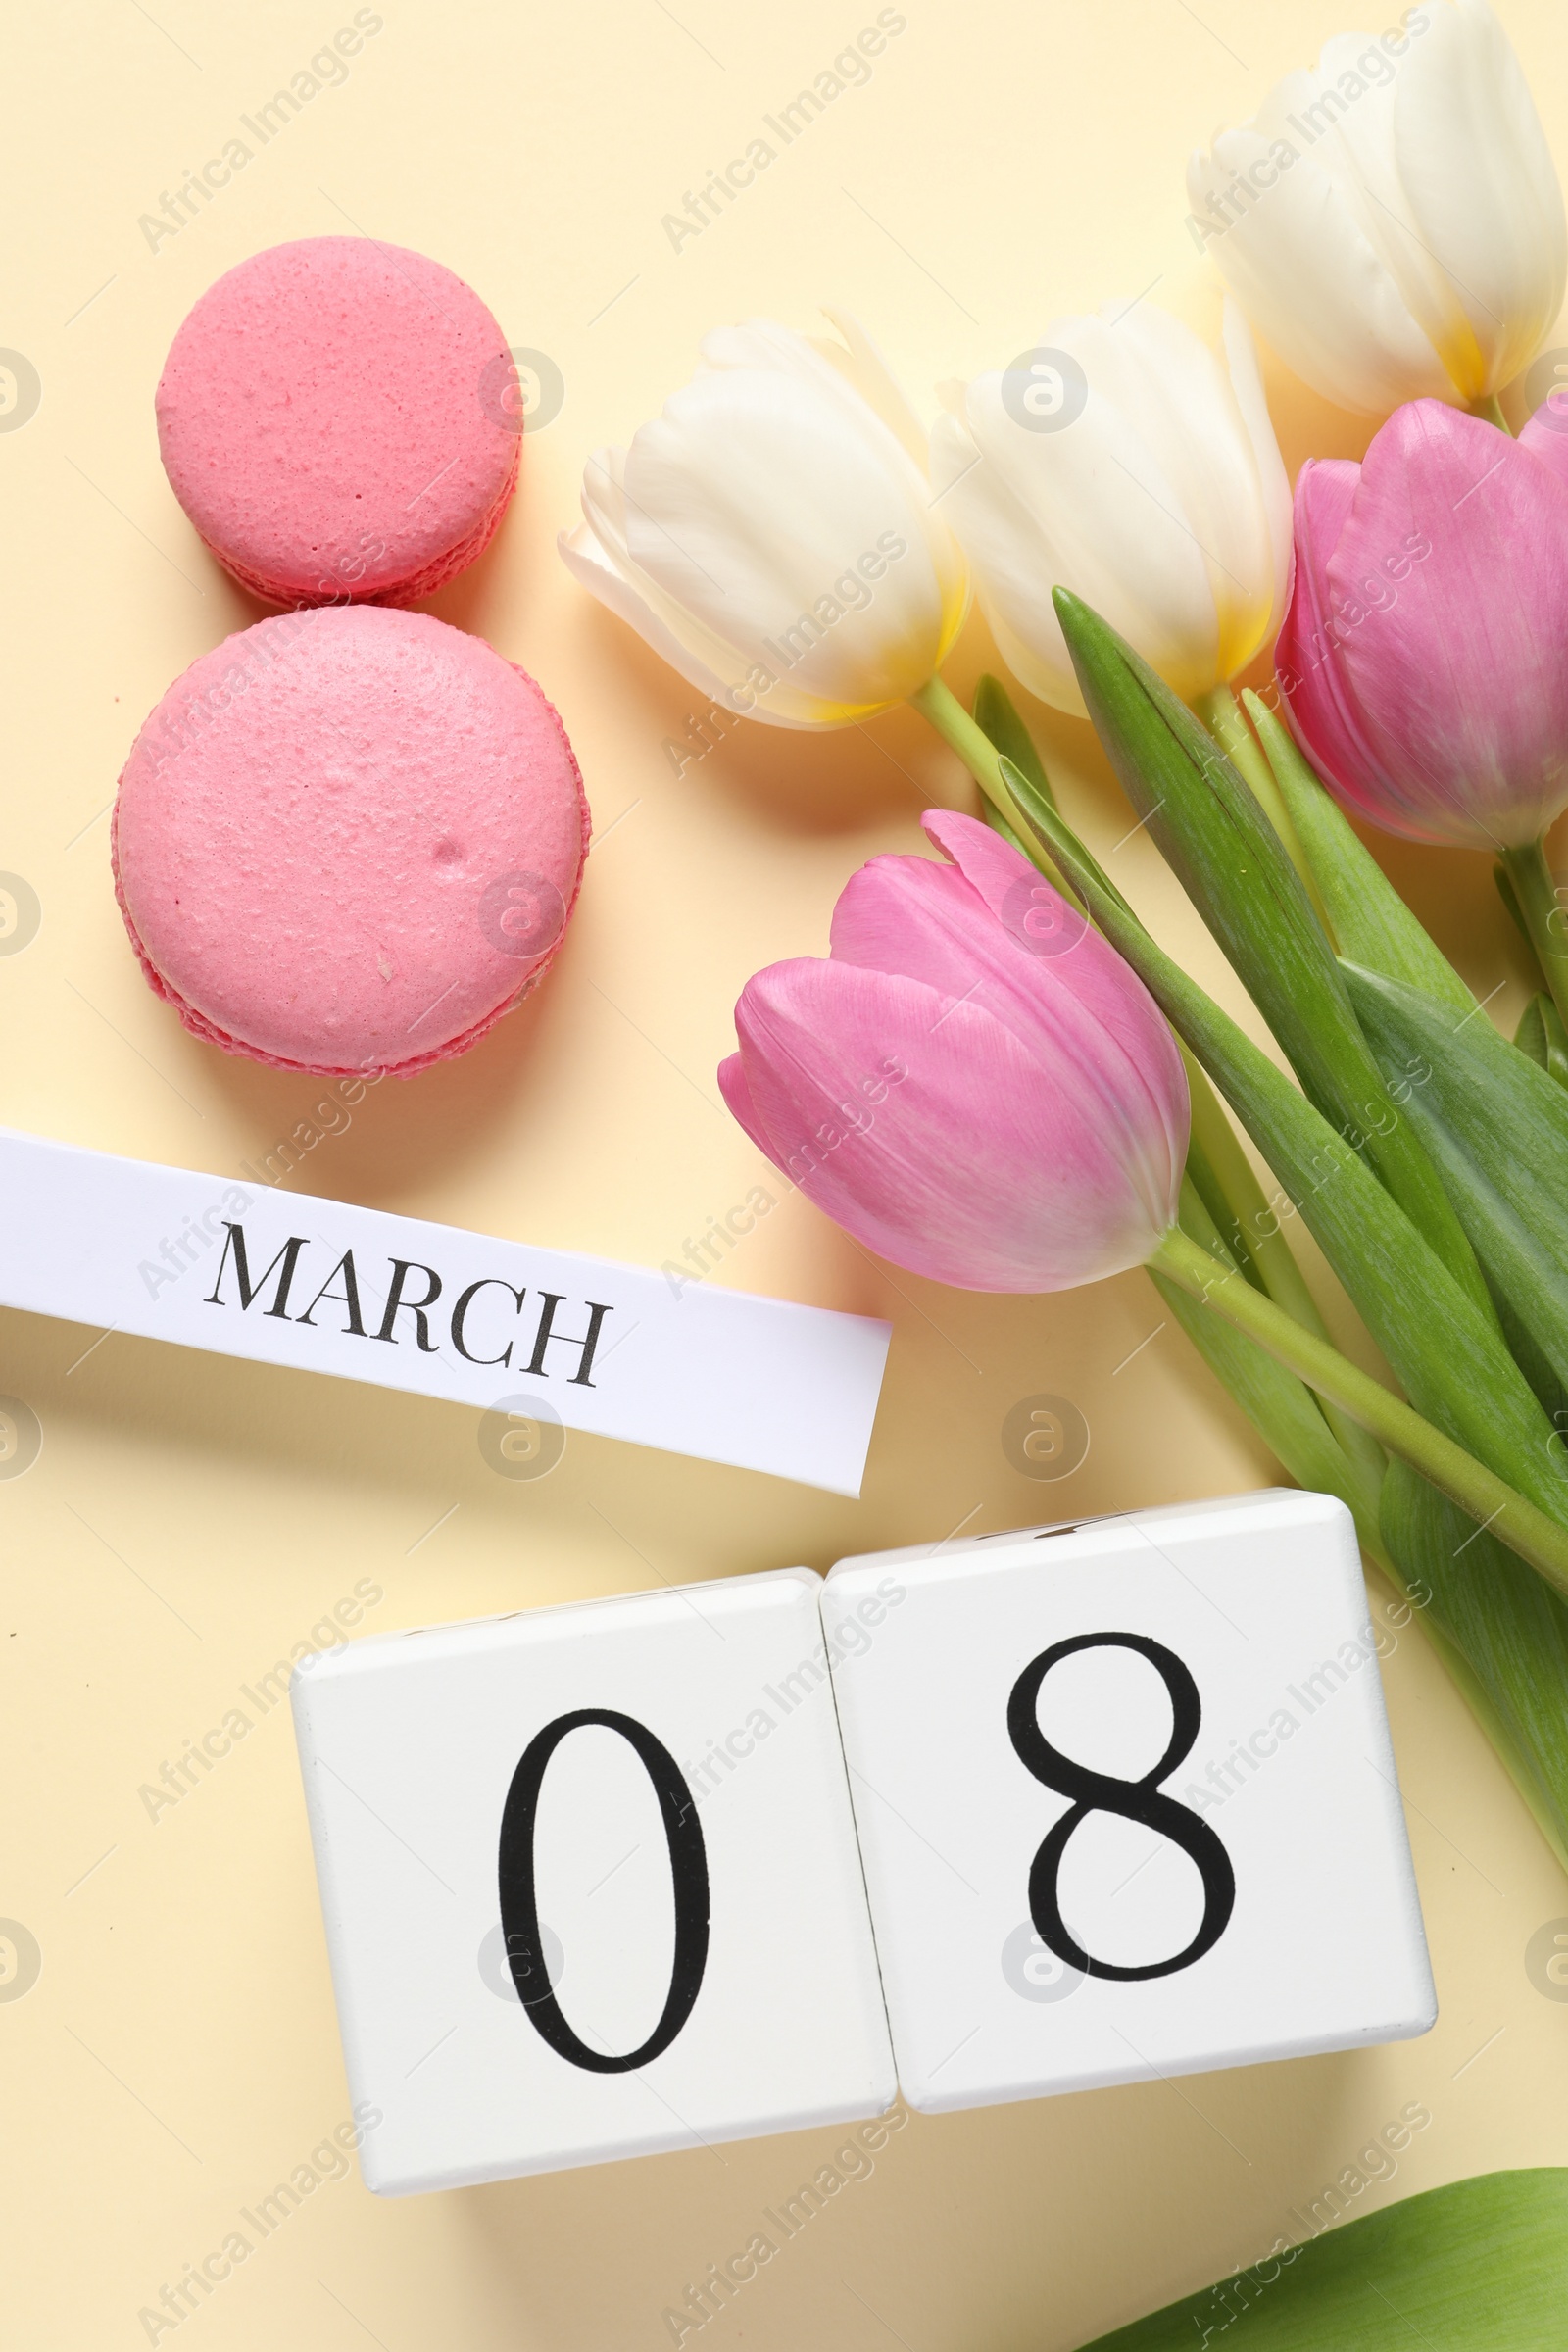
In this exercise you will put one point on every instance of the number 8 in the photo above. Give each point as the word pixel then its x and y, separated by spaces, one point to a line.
pixel 1134 1800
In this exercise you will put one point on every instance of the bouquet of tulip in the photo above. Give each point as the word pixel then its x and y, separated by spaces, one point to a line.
pixel 999 1078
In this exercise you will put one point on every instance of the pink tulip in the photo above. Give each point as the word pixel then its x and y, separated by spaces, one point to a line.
pixel 973 1084
pixel 1424 654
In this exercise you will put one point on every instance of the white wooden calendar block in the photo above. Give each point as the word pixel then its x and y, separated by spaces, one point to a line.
pixel 590 1882
pixel 1126 1799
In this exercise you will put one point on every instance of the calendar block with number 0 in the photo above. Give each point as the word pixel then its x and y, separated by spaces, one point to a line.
pixel 1125 1807
pixel 1126 1801
pixel 590 1882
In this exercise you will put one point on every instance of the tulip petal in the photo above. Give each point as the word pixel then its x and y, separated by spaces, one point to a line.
pixel 1154 490
pixel 585 559
pixel 1064 994
pixel 1274 483
pixel 1013 563
pixel 1088 505
pixel 1458 677
pixel 991 866
pixel 924 1129
pixel 1483 188
pixel 1184 408
pixel 854 375
pixel 860 363
pixel 1350 104
pixel 1305 269
pixel 771 535
pixel 1392 219
pixel 1321 714
pixel 780 520
pixel 1148 1073
pixel 911 915
pixel 735 1088
pixel 595 554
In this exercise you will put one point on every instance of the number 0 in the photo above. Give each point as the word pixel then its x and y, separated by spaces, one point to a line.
pixel 520 1902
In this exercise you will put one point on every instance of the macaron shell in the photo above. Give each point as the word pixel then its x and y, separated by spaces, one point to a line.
pixel 349 838
pixel 338 419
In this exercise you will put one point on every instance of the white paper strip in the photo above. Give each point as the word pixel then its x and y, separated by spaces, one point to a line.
pixel 289 1279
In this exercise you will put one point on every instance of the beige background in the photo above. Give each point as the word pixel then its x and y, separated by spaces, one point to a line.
pixel 190 1519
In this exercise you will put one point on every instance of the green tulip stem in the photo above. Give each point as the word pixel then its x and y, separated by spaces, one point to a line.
pixel 1488 1498
pixel 1256 1232
pixel 941 708
pixel 1223 716
pixel 1546 916
pixel 1262 1237
pixel 1489 407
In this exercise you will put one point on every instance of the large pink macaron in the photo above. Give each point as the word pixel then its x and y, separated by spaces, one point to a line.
pixel 340 422
pixel 348 839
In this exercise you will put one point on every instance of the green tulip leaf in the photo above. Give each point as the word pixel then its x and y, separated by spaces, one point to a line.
pixel 1280 1406
pixel 1235 869
pixel 1542 1034
pixel 1448 1355
pixel 994 818
pixel 995 714
pixel 1510 899
pixel 1497 1126
pixel 1503 1632
pixel 1481 2265
pixel 1372 924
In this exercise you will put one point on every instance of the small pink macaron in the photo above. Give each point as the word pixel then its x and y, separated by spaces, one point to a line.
pixel 340 420
pixel 348 839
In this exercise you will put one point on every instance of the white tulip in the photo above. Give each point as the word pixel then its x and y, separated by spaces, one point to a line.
pixel 1136 469
pixel 1392 222
pixel 771 536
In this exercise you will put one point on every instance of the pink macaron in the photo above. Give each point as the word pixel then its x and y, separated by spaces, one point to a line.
pixel 340 420
pixel 348 839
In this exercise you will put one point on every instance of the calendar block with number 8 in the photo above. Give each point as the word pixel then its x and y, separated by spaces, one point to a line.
pixel 1126 1801
pixel 1123 1792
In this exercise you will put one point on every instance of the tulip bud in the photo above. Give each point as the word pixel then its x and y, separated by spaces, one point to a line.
pixel 770 535
pixel 1151 485
pixel 1392 222
pixel 1422 655
pixel 973 1083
